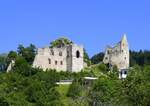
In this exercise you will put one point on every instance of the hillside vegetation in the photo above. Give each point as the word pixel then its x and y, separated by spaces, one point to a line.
pixel 28 86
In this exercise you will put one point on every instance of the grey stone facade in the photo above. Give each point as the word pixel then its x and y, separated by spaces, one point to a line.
pixel 66 58
pixel 119 56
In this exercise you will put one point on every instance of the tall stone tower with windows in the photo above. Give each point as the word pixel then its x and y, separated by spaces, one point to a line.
pixel 75 58
pixel 119 56
pixel 63 58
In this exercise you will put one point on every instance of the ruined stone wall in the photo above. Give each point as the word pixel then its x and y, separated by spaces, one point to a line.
pixel 118 55
pixel 77 58
pixel 51 58
pixel 61 59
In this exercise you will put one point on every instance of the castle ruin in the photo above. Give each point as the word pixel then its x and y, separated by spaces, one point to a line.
pixel 64 58
pixel 118 56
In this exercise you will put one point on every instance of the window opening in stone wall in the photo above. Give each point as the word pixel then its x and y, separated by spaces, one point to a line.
pixel 125 72
pixel 61 62
pixel 77 54
pixel 49 61
pixel 106 58
pixel 52 52
pixel 55 62
pixel 60 53
pixel 125 58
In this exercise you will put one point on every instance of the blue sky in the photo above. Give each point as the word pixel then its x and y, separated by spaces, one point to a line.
pixel 92 23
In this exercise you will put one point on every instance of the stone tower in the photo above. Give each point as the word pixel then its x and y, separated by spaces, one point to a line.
pixel 119 56
pixel 64 58
pixel 75 58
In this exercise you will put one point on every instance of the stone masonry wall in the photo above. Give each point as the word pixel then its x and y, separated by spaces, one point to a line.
pixel 61 59
pixel 118 55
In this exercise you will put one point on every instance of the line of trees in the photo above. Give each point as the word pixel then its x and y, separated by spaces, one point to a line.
pixel 140 57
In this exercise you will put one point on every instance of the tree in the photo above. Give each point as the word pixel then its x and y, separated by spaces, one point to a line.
pixel 60 42
pixel 97 58
pixel 75 90
pixel 20 49
pixel 12 55
pixel 3 63
pixel 22 67
pixel 3 102
pixel 86 58
pixel 136 87
pixel 38 93
pixel 28 53
pixel 104 90
pixel 139 57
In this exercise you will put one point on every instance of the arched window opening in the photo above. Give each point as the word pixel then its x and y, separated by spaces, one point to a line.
pixel 125 58
pixel 125 72
pixel 61 62
pixel 52 52
pixel 60 53
pixel 77 54
pixel 106 58
pixel 108 52
pixel 55 62
pixel 49 61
